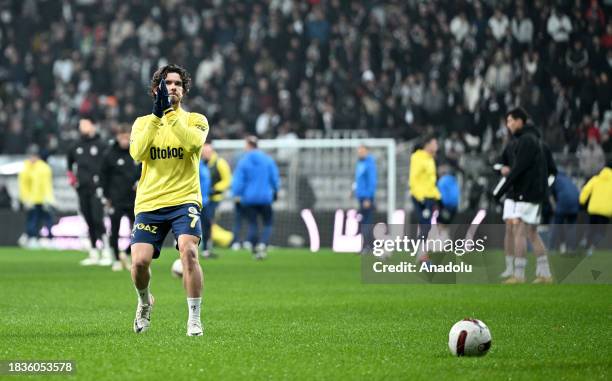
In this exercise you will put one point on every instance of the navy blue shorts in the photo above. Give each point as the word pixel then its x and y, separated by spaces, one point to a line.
pixel 152 227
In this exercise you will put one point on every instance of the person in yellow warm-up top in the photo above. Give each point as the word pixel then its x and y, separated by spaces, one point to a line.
pixel 36 195
pixel 598 193
pixel 220 181
pixel 422 184
pixel 168 142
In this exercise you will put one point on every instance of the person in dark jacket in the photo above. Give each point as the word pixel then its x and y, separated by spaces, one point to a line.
pixel 255 185
pixel 526 183
pixel 565 194
pixel 119 176
pixel 84 163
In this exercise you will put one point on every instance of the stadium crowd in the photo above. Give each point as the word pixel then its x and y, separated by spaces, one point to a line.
pixel 394 68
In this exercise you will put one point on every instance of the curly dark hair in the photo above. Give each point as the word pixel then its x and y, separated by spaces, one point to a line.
pixel 163 71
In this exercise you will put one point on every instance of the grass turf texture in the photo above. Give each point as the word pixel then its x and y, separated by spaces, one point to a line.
pixel 294 316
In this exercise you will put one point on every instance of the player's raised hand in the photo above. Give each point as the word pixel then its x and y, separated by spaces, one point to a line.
pixel 162 102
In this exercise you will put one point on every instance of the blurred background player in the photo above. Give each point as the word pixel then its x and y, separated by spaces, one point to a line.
pixel 169 143
pixel 528 179
pixel 84 163
pixel 450 194
pixel 509 215
pixel 597 195
pixel 255 185
pixel 566 194
pixel 220 181
pixel 364 190
pixel 422 184
pixel 205 218
pixel 118 180
pixel 36 195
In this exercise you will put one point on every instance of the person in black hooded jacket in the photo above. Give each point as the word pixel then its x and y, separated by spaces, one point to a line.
pixel 119 176
pixel 527 184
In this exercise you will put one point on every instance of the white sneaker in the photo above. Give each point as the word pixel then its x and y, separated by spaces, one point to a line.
pixel 106 259
pixel 194 328
pixel 33 243
pixel 142 321
pixel 236 246
pixel 93 259
pixel 260 251
pixel 117 266
pixel 247 245
pixel 23 240
pixel 508 273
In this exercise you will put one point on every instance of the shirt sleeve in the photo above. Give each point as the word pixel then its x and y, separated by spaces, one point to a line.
pixel 144 130
pixel 238 180
pixel 24 186
pixel 586 191
pixel 193 135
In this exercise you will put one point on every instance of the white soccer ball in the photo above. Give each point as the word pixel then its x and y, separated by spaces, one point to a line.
pixel 469 337
pixel 177 269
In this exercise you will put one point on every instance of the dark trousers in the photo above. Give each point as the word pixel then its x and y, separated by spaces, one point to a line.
pixel 366 222
pixel 252 212
pixel 597 229
pixel 35 217
pixel 93 212
pixel 424 212
pixel 564 230
pixel 116 214
pixel 237 225
pixel 208 218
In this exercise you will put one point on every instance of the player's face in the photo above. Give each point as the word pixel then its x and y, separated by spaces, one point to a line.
pixel 362 152
pixel 86 127
pixel 175 87
pixel 123 140
pixel 513 124
pixel 432 146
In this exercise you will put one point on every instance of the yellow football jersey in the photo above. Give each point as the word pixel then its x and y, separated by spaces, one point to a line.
pixel 422 178
pixel 169 149
pixel 36 183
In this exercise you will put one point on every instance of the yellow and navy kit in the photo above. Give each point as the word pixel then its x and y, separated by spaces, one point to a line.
pixel 169 149
pixel 36 183
pixel 422 181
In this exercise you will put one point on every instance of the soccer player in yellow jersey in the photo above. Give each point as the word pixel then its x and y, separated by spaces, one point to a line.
pixel 168 142
pixel 422 184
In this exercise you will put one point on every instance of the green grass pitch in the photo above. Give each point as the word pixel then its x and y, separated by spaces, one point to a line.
pixel 294 316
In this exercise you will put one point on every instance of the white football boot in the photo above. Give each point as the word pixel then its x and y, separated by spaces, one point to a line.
pixel 194 328
pixel 142 321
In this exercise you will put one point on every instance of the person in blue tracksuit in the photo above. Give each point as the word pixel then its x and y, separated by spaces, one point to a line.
pixel 566 196
pixel 255 185
pixel 364 189
pixel 205 219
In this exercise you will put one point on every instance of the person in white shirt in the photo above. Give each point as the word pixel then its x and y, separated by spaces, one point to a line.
pixel 559 26
pixel 499 25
